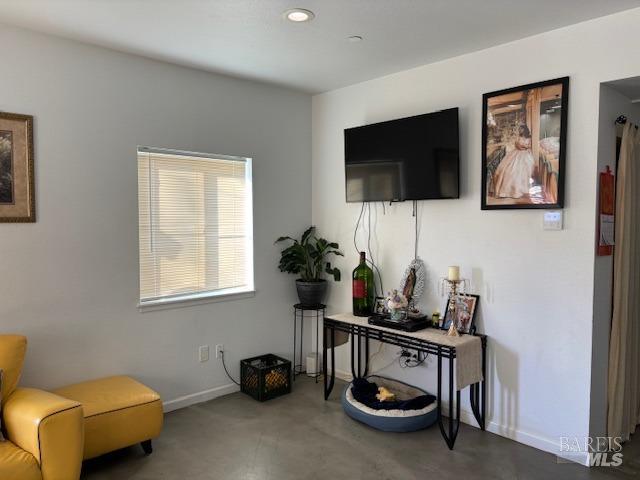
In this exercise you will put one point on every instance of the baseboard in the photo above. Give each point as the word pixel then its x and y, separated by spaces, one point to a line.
pixel 539 442
pixel 342 375
pixel 581 458
pixel 525 438
pixel 520 436
pixel 199 397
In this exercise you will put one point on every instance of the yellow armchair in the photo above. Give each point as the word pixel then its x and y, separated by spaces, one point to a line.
pixel 45 432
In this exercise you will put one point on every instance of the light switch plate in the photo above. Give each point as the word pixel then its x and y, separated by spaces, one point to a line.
pixel 552 220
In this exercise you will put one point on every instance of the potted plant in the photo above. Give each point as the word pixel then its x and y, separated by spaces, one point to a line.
pixel 307 257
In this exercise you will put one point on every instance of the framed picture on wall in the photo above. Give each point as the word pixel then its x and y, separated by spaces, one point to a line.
pixel 524 138
pixel 466 307
pixel 17 200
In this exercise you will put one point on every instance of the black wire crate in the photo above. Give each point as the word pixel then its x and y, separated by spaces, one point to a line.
pixel 265 377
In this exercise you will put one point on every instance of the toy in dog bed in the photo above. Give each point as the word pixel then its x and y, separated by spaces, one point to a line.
pixel 369 393
pixel 413 408
pixel 385 395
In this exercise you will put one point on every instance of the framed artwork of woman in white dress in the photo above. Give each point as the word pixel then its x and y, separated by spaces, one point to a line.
pixel 524 137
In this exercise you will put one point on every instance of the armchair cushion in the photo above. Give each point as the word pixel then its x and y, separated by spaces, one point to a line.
pixel 1 435
pixel 12 352
pixel 48 427
pixel 16 464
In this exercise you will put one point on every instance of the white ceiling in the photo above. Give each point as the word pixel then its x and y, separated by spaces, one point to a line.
pixel 250 38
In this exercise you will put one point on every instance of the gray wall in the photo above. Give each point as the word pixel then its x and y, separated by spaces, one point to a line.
pixel 70 281
pixel 612 104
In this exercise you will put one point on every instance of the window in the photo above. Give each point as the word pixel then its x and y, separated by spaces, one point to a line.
pixel 196 227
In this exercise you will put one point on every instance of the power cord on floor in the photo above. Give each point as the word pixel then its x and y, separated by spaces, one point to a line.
pixel 225 368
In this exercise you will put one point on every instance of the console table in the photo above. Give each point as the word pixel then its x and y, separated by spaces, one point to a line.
pixel 428 341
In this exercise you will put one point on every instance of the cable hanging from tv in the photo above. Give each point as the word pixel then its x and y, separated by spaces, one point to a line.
pixel 370 259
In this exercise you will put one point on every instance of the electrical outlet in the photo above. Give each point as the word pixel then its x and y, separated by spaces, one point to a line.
pixel 203 353
pixel 219 350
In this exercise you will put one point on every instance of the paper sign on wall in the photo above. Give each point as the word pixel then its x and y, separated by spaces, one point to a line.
pixel 606 217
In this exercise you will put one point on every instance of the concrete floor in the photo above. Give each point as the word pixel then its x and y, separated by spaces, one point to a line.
pixel 302 437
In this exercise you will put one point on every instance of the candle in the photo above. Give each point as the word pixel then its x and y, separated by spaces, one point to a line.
pixel 454 273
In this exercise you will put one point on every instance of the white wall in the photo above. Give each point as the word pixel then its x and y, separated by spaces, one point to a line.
pixel 70 281
pixel 536 287
pixel 612 105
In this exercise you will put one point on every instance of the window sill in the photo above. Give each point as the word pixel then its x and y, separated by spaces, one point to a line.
pixel 195 299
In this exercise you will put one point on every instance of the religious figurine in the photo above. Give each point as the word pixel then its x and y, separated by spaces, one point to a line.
pixel 409 285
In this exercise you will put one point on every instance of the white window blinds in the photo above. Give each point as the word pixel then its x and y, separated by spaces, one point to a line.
pixel 195 221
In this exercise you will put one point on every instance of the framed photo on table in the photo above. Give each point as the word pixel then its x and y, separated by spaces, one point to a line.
pixel 380 306
pixel 466 307
pixel 524 139
pixel 17 185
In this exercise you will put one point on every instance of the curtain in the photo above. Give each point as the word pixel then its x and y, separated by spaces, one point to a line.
pixel 624 372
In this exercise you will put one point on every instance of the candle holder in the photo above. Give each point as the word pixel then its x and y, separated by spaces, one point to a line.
pixel 452 288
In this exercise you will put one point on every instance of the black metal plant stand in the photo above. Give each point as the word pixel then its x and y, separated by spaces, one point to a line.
pixel 358 333
pixel 316 312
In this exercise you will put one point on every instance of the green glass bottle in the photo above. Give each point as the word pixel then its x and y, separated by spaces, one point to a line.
pixel 363 288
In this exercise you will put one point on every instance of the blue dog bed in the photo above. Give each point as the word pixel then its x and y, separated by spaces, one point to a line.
pixel 391 420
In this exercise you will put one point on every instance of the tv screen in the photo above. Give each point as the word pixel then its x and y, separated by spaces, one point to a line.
pixel 414 158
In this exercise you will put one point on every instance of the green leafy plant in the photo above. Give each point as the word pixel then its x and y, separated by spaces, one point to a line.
pixel 308 255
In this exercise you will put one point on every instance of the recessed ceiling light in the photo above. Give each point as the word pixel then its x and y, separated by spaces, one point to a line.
pixel 299 15
pixel 354 38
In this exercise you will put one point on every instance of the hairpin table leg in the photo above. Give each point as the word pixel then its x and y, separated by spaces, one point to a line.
pixel 328 380
pixel 453 422
pixel 359 354
pixel 477 393
pixel 474 390
pixel 366 353
pixel 353 354
pixel 483 384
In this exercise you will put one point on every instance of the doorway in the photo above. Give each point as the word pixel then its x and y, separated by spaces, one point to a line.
pixel 619 102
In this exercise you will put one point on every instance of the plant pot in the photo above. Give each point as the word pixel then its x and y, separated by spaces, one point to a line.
pixel 311 293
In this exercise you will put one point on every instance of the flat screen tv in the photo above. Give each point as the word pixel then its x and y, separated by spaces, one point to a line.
pixel 413 158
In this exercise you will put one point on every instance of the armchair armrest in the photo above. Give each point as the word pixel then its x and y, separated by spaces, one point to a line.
pixel 49 427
